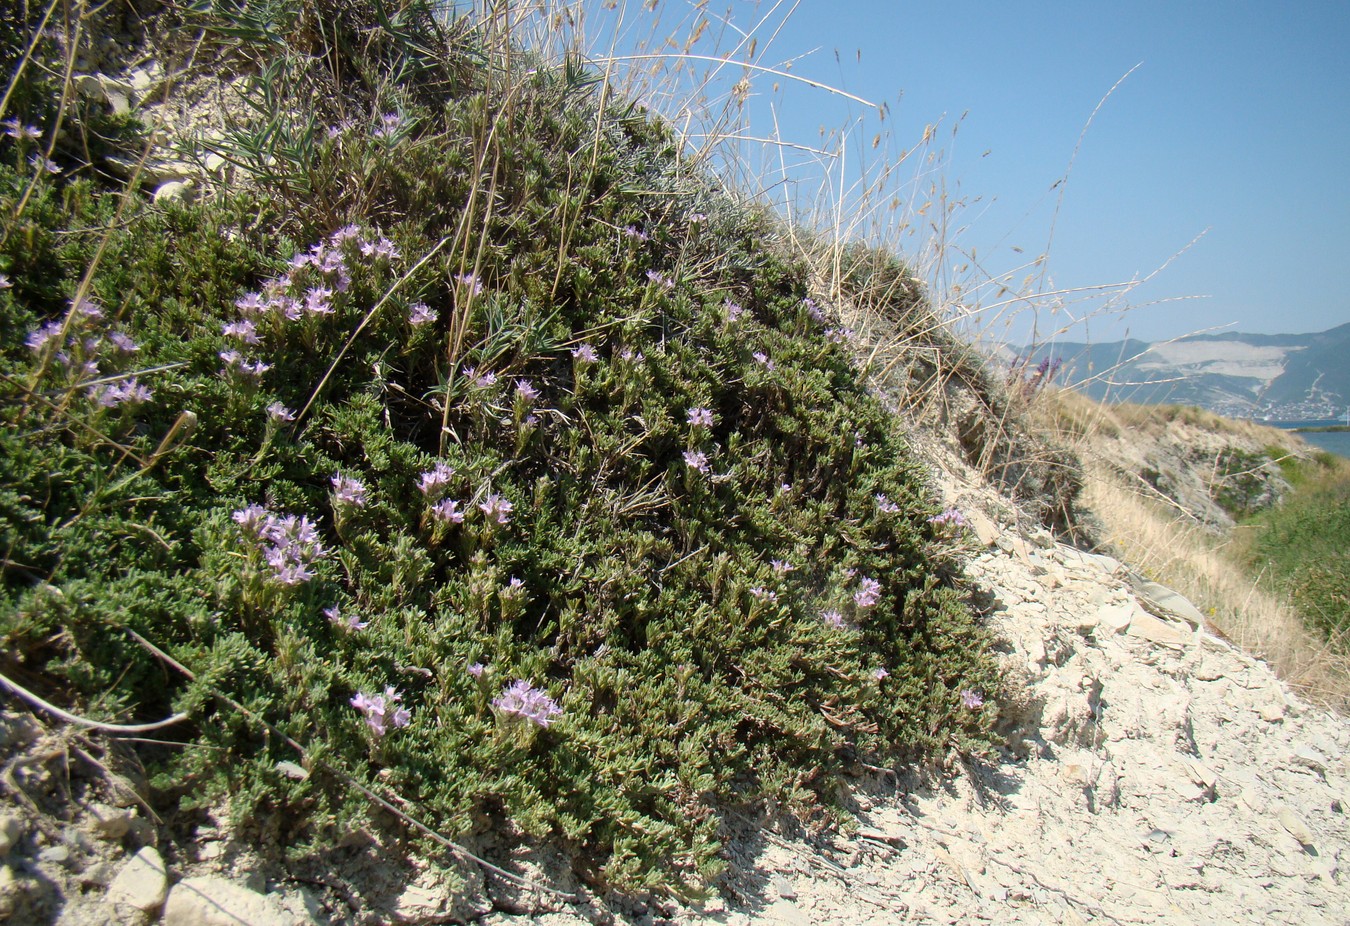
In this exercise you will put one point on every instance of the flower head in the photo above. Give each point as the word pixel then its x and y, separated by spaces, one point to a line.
pixel 781 567
pixel 4 281
pixel 702 417
pixel 419 313
pixel 496 508
pixel 660 280
pixel 348 490
pixel 696 459
pixel 764 594
pixel 734 311
pixel 972 699
pixel 950 516
pixel 523 700
pixel 476 669
pixel 833 618
pixel 435 479
pixel 585 353
pixel 885 505
pixel 526 391
pixel 381 711
pixel 351 622
pixel 447 510
pixel 279 413
pixel 472 285
pixel 15 129
pixel 879 674
pixel 868 593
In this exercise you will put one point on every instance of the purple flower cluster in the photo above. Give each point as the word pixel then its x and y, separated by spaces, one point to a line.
pixel 734 311
pixel 585 353
pixel 419 313
pixel 950 516
pixel 660 279
pixel 348 490
pixel 764 594
pixel 435 480
pixel 280 414
pixel 637 234
pixel 781 567
pixel 696 459
pixel 380 710
pixel 763 360
pixel 129 391
pixel 833 618
pixel 350 623
pixel 885 505
pixel 472 285
pixel 310 288
pixel 17 130
pixel 290 545
pixel 496 508
pixel 447 511
pixel 525 391
pixel 813 310
pixel 972 700
pixel 480 380
pixel 83 350
pixel 868 593
pixel 389 126
pixel 700 417
pixel 523 700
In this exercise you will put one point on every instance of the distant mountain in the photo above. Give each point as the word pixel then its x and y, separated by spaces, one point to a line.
pixel 1280 375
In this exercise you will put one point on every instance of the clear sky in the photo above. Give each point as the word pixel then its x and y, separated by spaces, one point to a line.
pixel 1235 124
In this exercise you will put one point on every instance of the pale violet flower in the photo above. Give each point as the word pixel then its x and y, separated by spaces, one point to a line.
pixel 879 674
pixel 496 508
pixel 950 516
pixel 447 510
pixel 350 623
pixel 833 619
pixel 476 669
pixel 734 311
pixel 280 413
pixel 660 280
pixel 764 594
pixel 696 459
pixel 762 359
pixel 868 593
pixel 348 490
pixel 972 699
pixel 470 282
pixel 700 417
pixel 380 710
pixel 885 505
pixel 521 699
pixel 419 313
pixel 585 353
pixel 526 391
pixel 434 480
pixel 781 567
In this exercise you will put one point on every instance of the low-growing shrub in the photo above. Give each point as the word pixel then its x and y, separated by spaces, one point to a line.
pixel 492 479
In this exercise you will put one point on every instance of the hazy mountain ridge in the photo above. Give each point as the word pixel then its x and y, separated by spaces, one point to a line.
pixel 1280 375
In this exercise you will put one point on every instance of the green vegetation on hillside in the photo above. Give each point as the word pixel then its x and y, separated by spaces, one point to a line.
pixel 1302 545
pixel 469 440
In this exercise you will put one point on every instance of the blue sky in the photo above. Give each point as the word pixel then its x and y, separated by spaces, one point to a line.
pixel 1235 124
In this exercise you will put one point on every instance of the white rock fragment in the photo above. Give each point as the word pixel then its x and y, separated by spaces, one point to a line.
pixel 108 822
pixel 1147 627
pixel 1294 825
pixel 142 883
pixel 212 901
pixel 11 831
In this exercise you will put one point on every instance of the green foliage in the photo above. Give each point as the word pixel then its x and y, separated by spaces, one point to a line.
pixel 1303 544
pixel 488 289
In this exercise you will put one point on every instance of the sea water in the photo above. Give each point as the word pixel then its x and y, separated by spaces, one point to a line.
pixel 1338 442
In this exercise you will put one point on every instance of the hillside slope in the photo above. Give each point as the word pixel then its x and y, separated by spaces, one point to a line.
pixel 428 499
